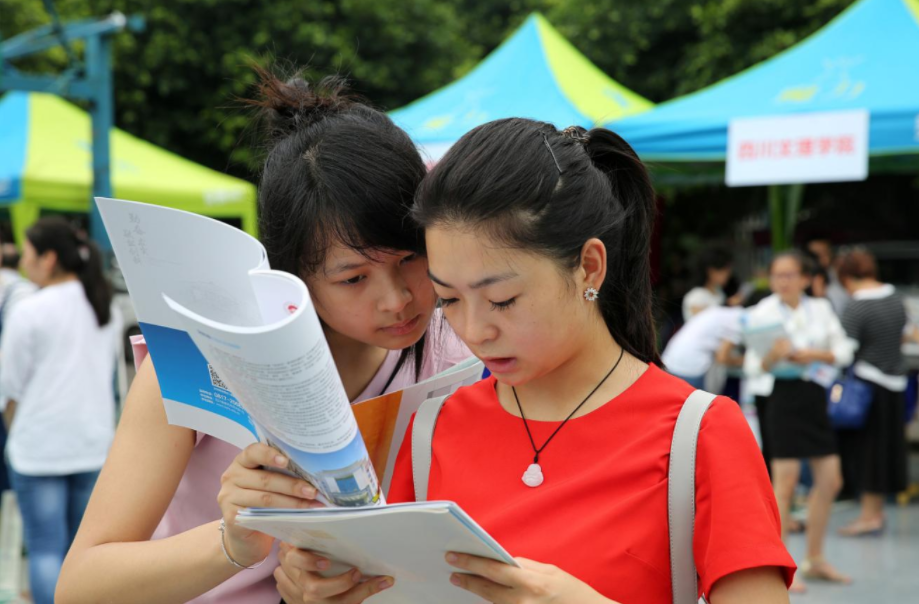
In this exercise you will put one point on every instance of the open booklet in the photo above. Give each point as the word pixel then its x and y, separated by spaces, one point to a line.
pixel 409 545
pixel 240 353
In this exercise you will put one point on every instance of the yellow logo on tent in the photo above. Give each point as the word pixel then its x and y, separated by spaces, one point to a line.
pixel 438 122
pixel 798 94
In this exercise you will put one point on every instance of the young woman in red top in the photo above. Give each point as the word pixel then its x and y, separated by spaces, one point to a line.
pixel 538 244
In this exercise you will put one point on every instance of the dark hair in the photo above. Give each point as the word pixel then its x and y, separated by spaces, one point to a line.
pixel 9 256
pixel 337 171
pixel 805 263
pixel 857 264
pixel 712 258
pixel 527 184
pixel 75 255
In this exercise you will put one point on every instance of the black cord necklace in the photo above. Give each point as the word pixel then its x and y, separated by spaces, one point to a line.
pixel 533 477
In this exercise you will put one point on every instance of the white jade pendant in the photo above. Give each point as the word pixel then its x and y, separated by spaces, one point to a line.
pixel 533 476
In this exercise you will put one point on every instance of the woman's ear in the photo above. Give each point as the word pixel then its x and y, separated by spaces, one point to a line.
pixel 592 270
pixel 48 262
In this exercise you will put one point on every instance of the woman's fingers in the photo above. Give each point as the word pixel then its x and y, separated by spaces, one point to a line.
pixel 245 498
pixel 300 560
pixel 290 592
pixel 274 482
pixel 484 588
pixel 260 454
pixel 498 572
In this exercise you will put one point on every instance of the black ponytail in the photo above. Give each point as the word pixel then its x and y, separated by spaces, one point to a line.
pixel 629 311
pixel 76 255
pixel 535 188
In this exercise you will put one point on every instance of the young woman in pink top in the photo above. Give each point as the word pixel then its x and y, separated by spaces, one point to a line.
pixel 334 198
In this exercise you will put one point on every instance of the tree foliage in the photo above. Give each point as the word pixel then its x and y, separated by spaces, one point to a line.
pixel 178 83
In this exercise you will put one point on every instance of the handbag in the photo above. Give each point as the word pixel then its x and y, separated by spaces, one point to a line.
pixel 848 401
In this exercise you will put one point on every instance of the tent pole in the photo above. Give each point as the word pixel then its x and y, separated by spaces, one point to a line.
pixel 793 200
pixel 776 218
pixel 784 207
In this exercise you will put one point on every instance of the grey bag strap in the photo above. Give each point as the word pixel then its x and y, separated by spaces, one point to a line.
pixel 422 443
pixel 681 496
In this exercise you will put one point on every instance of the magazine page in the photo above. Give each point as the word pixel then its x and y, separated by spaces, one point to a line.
pixel 202 263
pixel 384 420
pixel 283 374
pixel 405 541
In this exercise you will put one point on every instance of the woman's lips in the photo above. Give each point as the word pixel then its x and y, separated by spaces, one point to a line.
pixel 500 364
pixel 403 328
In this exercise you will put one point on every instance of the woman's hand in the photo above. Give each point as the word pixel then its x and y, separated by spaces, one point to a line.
pixel 246 485
pixel 780 350
pixel 299 580
pixel 532 583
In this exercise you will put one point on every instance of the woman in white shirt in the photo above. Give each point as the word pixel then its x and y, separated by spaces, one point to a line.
pixel 57 383
pixel 798 425
pixel 715 267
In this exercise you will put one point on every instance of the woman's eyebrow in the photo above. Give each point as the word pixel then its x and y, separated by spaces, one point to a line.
pixel 346 266
pixel 478 284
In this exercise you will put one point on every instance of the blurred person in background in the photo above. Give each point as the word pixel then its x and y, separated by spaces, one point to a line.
pixel 796 421
pixel 875 456
pixel 821 248
pixel 714 272
pixel 13 288
pixel 57 391
pixel 690 353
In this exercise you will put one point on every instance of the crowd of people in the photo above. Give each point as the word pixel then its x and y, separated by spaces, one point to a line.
pixel 526 246
pixel 836 319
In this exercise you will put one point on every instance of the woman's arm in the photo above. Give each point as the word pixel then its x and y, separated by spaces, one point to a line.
pixel 763 585
pixel 112 558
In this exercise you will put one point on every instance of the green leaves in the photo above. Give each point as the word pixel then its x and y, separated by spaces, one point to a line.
pixel 177 83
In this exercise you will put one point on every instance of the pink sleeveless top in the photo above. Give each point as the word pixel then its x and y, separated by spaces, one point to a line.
pixel 195 500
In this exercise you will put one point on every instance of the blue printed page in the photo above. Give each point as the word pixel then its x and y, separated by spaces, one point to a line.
pixel 283 375
pixel 203 264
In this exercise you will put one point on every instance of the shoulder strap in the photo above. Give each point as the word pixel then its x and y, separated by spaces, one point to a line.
pixel 422 442
pixel 681 496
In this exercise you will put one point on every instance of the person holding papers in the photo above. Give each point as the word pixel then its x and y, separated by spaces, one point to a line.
pixel 798 424
pixel 538 246
pixel 334 198
pixel 59 353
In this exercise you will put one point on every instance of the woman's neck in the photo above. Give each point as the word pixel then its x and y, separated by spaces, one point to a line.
pixel 712 287
pixel 552 397
pixel 792 301
pixel 866 284
pixel 357 362
pixel 60 278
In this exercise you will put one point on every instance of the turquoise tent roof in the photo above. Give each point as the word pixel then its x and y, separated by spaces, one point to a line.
pixel 535 73
pixel 866 58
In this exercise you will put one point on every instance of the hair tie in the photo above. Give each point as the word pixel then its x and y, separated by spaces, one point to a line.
pixel 577 134
pixel 83 251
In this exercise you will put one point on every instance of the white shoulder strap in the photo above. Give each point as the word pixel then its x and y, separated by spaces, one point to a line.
pixel 422 443
pixel 681 496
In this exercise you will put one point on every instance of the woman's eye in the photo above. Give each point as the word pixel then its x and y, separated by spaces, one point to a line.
pixel 503 305
pixel 445 302
pixel 353 280
pixel 409 258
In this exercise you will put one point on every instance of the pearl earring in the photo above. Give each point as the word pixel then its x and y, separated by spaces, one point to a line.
pixel 591 294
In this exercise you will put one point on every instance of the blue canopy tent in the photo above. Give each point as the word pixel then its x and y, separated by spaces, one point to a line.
pixel 866 58
pixel 535 73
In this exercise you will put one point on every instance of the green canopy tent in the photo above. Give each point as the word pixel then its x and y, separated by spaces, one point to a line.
pixel 46 165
